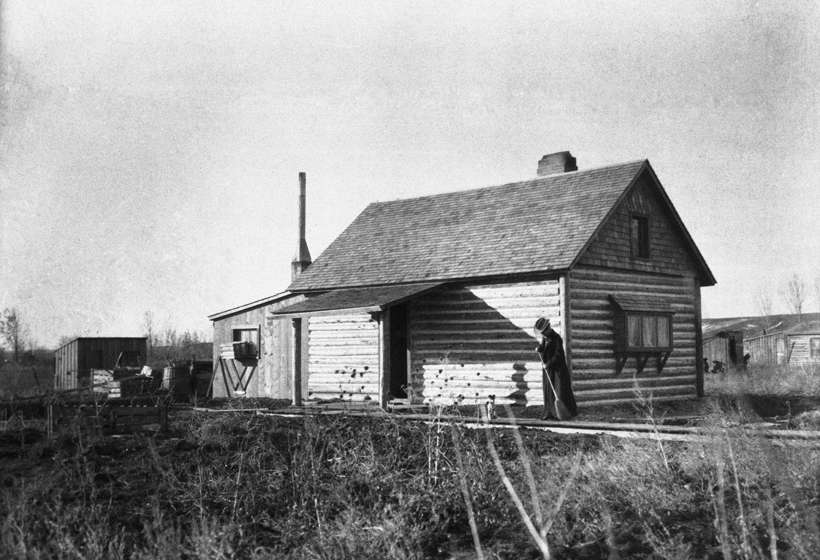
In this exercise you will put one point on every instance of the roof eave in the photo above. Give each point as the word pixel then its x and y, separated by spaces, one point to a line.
pixel 249 306
pixel 609 214
pixel 548 272
pixel 707 278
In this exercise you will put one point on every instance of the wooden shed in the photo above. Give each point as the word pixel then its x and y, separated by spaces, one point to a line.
pixel 770 340
pixel 724 349
pixel 434 299
pixel 803 344
pixel 74 360
pixel 797 345
pixel 253 350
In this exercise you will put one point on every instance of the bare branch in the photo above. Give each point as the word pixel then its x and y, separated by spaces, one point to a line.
pixel 794 294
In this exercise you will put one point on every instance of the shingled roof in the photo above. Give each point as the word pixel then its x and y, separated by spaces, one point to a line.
pixel 537 225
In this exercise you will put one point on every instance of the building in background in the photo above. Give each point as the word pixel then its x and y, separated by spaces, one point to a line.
pixel 770 340
pixel 75 360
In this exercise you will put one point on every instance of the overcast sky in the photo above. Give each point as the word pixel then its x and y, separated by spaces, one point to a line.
pixel 150 150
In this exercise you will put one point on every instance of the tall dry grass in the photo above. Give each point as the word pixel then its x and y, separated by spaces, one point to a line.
pixel 239 486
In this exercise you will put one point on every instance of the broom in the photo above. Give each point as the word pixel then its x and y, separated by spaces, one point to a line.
pixel 560 408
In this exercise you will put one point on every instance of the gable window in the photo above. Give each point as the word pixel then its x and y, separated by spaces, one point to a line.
pixel 639 232
pixel 814 348
pixel 246 342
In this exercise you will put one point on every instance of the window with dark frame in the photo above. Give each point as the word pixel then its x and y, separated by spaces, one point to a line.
pixel 640 236
pixel 642 329
pixel 814 348
pixel 648 331
pixel 249 335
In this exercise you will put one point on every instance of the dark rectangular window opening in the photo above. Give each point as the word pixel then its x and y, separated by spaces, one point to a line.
pixel 814 348
pixel 246 342
pixel 640 236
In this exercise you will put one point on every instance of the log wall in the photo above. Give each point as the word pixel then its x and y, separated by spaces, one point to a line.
pixel 592 315
pixel 469 342
pixel 344 357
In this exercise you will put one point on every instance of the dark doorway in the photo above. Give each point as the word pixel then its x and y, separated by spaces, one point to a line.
pixel 398 351
pixel 732 350
pixel 96 360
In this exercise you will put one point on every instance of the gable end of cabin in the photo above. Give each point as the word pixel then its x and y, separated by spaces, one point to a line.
pixel 634 305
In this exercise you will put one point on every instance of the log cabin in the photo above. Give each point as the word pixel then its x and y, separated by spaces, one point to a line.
pixel 433 299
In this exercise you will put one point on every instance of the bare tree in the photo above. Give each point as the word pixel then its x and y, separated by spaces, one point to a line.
pixel 794 294
pixel 763 301
pixel 65 339
pixel 817 291
pixel 13 331
pixel 148 327
pixel 170 336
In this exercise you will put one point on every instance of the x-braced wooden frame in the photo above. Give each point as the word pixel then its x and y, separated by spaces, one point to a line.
pixel 235 380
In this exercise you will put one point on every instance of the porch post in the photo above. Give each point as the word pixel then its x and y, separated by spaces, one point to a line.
pixel 383 319
pixel 296 361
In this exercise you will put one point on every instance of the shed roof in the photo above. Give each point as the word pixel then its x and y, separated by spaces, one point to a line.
pixel 100 338
pixel 248 306
pixel 753 326
pixel 642 303
pixel 371 298
pixel 538 225
pixel 805 327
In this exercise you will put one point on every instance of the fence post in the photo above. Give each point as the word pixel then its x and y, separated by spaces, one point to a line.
pixel 163 417
pixel 50 421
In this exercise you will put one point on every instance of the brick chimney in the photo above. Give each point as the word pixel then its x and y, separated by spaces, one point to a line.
pixel 559 162
pixel 302 259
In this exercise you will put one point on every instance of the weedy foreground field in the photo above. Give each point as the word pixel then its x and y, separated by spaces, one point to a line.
pixel 241 486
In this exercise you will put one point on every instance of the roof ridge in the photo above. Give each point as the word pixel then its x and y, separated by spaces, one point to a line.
pixel 511 183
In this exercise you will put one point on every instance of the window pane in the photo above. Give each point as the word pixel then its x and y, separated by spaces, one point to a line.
pixel 634 330
pixel 640 236
pixel 650 339
pixel 663 331
pixel 245 335
pixel 814 345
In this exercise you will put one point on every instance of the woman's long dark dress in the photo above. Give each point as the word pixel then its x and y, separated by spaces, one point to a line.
pixel 551 350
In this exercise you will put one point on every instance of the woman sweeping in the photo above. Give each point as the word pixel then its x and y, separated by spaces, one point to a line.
pixel 559 401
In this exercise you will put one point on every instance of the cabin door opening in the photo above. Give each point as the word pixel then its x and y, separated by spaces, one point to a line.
pixel 398 351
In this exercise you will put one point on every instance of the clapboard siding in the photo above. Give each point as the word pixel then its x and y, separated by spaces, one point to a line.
pixel 593 338
pixel 344 357
pixel 469 342
pixel 799 349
